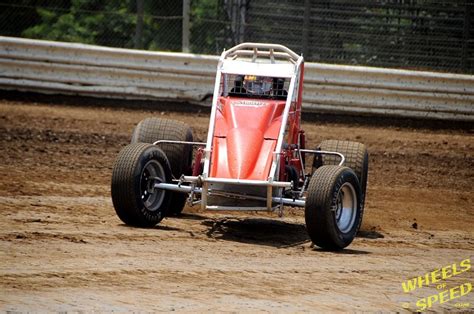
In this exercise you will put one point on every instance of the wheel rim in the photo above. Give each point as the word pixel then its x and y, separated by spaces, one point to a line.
pixel 346 207
pixel 152 198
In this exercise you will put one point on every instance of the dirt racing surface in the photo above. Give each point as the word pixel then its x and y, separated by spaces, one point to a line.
pixel 62 247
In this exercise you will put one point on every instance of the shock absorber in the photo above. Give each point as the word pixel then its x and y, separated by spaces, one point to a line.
pixel 197 168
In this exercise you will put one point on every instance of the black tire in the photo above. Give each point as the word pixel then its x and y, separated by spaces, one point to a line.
pixel 329 225
pixel 179 156
pixel 356 158
pixel 131 185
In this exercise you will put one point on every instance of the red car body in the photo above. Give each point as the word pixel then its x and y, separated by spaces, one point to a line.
pixel 246 133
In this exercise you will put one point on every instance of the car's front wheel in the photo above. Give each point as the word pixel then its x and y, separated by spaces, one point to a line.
pixel 333 209
pixel 136 170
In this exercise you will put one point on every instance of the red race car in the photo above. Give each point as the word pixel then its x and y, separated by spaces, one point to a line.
pixel 254 157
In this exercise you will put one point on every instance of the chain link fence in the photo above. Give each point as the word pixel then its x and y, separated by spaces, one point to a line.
pixel 409 34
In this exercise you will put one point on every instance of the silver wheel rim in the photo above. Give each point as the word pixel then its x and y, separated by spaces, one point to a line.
pixel 152 198
pixel 346 207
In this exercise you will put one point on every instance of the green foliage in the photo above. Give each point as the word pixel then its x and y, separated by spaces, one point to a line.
pixel 114 23
pixel 109 23
pixel 60 27
pixel 87 21
pixel 205 16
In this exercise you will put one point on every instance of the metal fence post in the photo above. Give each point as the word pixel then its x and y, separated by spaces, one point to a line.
pixel 242 9
pixel 185 41
pixel 466 28
pixel 138 40
pixel 306 22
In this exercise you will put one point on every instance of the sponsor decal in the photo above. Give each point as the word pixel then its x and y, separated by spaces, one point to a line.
pixel 248 103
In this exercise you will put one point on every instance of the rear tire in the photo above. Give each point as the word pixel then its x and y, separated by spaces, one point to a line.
pixel 356 158
pixel 179 156
pixel 135 200
pixel 333 209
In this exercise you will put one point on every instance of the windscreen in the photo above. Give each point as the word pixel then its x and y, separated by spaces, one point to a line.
pixel 253 86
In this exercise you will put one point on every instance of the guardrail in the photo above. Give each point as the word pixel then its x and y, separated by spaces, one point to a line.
pixel 77 69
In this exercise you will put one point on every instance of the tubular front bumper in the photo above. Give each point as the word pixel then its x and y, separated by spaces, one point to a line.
pixel 200 185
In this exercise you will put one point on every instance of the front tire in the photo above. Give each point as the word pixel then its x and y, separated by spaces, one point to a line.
pixel 136 169
pixel 333 210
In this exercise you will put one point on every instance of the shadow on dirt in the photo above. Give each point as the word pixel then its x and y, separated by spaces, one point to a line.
pixel 158 227
pixel 174 106
pixel 260 231
pixel 344 251
pixel 269 232
pixel 191 216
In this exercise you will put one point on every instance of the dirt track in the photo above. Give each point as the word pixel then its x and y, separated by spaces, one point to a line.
pixel 62 248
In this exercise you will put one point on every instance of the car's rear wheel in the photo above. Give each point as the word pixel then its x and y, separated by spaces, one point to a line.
pixel 356 158
pixel 333 211
pixel 179 156
pixel 136 170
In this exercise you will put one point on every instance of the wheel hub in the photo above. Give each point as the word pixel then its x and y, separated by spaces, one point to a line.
pixel 151 197
pixel 346 207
